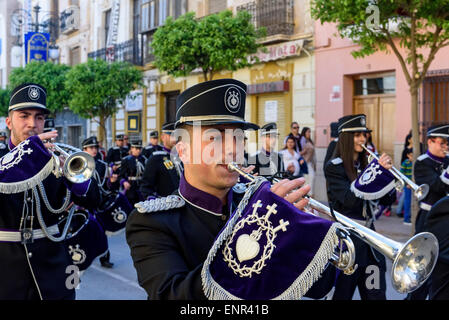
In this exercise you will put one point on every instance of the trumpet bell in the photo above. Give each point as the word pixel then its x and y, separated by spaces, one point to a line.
pixel 79 167
pixel 422 191
pixel 414 262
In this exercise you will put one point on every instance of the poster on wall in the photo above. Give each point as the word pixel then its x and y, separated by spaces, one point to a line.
pixel 271 111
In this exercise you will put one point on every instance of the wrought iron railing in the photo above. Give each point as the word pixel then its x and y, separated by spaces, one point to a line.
pixel 276 16
pixel 130 51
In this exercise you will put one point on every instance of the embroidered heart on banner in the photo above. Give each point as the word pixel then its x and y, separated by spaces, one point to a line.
pixel 246 247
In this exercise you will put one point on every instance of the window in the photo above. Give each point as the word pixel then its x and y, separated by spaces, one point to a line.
pixel 216 6
pixel 107 23
pixel 155 12
pixel 74 136
pixel 380 85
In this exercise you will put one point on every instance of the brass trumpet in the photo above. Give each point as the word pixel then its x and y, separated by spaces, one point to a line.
pixel 413 261
pixel 420 192
pixel 78 167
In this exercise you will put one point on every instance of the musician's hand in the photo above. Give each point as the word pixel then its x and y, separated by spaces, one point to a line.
pixel 286 189
pixel 291 168
pixel 114 167
pixel 48 136
pixel 248 169
pixel 126 185
pixel 386 161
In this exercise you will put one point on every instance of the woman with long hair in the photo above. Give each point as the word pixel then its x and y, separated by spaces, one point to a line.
pixel 293 162
pixel 348 162
pixel 308 153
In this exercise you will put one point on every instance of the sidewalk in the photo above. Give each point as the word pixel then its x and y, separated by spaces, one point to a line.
pixel 393 227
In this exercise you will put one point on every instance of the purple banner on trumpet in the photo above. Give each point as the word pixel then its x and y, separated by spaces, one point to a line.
pixel 269 249
pixel 25 166
pixel 374 182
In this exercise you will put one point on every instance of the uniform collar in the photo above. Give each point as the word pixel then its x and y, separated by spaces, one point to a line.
pixel 166 149
pixel 266 152
pixel 10 144
pixel 438 159
pixel 203 200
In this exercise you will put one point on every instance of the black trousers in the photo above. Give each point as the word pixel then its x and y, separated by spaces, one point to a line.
pixel 369 277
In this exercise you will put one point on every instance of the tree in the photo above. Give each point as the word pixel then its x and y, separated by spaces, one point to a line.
pixel 419 27
pixel 49 75
pixel 214 43
pixel 4 102
pixel 97 87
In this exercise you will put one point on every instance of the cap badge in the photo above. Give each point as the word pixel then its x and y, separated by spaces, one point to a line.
pixel 33 93
pixel 363 121
pixel 232 100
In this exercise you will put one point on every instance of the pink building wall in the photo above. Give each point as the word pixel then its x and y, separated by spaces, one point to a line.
pixel 335 66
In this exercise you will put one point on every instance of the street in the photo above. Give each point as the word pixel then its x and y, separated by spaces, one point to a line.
pixel 120 282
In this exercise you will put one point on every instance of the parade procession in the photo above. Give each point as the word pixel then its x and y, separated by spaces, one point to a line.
pixel 278 173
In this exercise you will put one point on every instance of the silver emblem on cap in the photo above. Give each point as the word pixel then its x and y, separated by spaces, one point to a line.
pixel 232 99
pixel 33 93
pixel 363 121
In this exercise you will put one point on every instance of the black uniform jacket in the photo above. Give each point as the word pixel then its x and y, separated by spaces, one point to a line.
pixel 329 152
pixel 131 170
pixel 3 149
pixel 43 259
pixel 161 177
pixel 344 201
pixel 428 170
pixel 148 150
pixel 266 163
pixel 169 247
pixel 116 154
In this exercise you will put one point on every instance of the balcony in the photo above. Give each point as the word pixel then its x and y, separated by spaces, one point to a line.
pixel 129 51
pixel 276 16
pixel 69 20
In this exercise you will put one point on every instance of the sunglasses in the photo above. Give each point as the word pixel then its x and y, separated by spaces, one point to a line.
pixel 295 127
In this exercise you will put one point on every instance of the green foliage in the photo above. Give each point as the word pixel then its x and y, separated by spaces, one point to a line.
pixel 97 86
pixel 214 43
pixel 49 75
pixel 419 24
pixel 4 102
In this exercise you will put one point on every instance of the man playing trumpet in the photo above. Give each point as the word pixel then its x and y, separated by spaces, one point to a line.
pixel 34 259
pixel 173 239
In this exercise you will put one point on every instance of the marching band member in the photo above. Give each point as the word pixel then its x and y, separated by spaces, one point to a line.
pixel 437 222
pixel 349 160
pixel 131 171
pixel 117 153
pixel 34 258
pixel 430 169
pixel 332 144
pixel 173 239
pixel 267 161
pixel 153 145
pixel 104 180
pixel 161 175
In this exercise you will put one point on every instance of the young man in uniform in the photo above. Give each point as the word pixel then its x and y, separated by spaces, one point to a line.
pixel 170 237
pixel 153 146
pixel 35 262
pixel 131 171
pixel 267 161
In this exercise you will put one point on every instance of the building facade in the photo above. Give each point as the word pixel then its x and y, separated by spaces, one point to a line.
pixel 376 86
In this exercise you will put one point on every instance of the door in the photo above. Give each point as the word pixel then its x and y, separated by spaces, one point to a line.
pixel 271 108
pixel 380 117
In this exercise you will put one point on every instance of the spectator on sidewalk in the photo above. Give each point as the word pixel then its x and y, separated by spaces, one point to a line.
pixel 406 169
pixel 294 133
pixel 308 153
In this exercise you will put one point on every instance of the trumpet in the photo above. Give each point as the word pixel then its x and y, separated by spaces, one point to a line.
pixel 413 261
pixel 420 192
pixel 78 167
